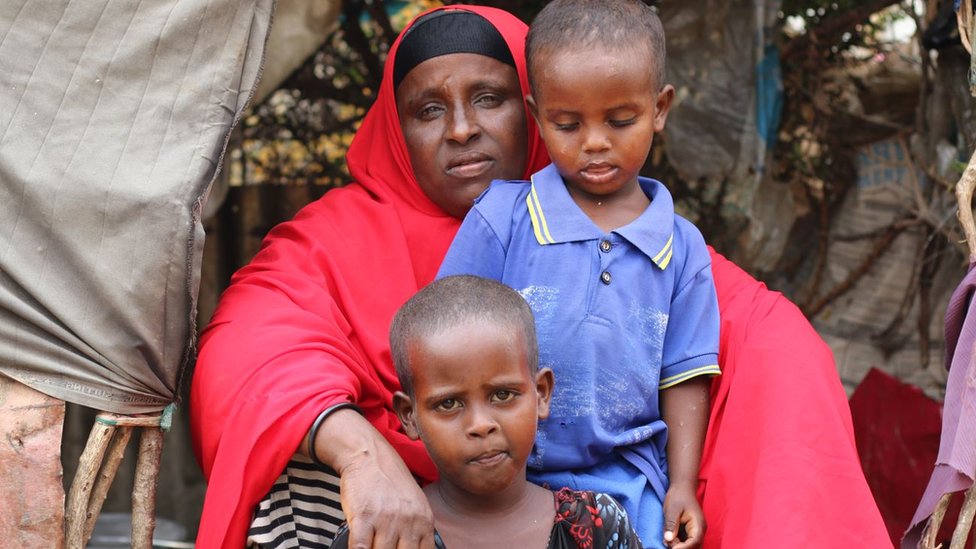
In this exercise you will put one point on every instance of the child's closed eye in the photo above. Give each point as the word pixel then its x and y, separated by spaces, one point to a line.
pixel 622 123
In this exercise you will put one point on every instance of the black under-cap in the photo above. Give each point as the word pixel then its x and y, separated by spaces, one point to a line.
pixel 446 32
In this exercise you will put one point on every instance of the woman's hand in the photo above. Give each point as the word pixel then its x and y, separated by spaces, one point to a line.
pixel 384 506
pixel 682 514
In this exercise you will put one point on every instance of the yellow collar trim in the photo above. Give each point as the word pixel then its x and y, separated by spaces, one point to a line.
pixel 664 256
pixel 539 225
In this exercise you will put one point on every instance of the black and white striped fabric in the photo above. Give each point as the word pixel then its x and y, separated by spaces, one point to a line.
pixel 301 511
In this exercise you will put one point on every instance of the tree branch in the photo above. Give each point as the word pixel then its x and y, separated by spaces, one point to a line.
pixel 828 29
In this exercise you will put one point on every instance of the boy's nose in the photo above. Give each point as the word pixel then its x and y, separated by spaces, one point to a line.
pixel 595 140
pixel 481 423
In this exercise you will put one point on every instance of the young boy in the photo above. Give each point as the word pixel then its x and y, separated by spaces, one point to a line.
pixel 466 356
pixel 620 285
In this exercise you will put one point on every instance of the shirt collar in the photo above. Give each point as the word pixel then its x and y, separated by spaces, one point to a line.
pixel 557 219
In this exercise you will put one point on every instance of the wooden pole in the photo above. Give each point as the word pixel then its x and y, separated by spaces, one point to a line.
pixel 964 197
pixel 32 494
pixel 929 537
pixel 114 455
pixel 110 435
pixel 144 487
pixel 79 496
pixel 965 522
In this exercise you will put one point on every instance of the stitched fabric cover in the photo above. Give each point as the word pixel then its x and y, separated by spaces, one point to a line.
pixel 113 120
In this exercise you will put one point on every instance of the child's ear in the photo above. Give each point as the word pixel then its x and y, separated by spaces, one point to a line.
pixel 544 381
pixel 404 408
pixel 662 106
pixel 533 108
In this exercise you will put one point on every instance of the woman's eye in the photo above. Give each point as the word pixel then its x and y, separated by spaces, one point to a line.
pixel 448 405
pixel 503 396
pixel 489 100
pixel 622 123
pixel 428 112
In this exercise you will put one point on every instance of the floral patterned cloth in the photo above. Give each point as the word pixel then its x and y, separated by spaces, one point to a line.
pixel 584 520
pixel 591 520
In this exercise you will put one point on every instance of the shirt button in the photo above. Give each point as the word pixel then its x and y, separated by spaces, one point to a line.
pixel 605 246
pixel 605 277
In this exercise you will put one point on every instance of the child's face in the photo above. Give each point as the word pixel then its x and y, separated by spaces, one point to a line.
pixel 475 405
pixel 597 112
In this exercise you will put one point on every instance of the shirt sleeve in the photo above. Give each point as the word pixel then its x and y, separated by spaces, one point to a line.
pixel 476 250
pixel 691 340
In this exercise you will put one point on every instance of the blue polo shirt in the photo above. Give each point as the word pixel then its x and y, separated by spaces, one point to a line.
pixel 620 316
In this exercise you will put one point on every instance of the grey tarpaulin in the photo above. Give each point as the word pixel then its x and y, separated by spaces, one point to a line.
pixel 722 61
pixel 114 115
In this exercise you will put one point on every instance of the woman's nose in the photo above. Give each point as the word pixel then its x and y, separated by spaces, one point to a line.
pixel 462 125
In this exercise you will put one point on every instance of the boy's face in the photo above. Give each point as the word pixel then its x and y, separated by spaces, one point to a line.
pixel 597 112
pixel 475 405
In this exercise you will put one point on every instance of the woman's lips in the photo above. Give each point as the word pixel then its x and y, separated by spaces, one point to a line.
pixel 470 166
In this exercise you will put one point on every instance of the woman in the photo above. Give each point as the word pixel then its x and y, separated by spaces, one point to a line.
pixel 304 327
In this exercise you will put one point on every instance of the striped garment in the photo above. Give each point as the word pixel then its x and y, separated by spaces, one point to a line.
pixel 302 509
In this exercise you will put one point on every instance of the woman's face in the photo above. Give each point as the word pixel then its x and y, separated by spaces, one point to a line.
pixel 463 119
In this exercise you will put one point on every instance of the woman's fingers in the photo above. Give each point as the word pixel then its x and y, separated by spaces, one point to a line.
pixel 361 537
pixel 425 542
pixel 391 532
pixel 383 503
pixel 385 508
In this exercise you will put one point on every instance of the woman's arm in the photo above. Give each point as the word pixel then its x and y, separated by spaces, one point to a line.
pixel 300 329
pixel 383 504
pixel 684 408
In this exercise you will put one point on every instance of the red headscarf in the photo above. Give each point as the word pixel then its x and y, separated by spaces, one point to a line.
pixel 304 325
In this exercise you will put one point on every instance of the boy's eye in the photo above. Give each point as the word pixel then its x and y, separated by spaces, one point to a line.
pixel 622 123
pixel 448 405
pixel 503 395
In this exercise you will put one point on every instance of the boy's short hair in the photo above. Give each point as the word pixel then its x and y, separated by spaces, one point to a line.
pixel 583 24
pixel 453 301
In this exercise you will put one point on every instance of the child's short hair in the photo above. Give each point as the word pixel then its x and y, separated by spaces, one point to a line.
pixel 457 300
pixel 583 24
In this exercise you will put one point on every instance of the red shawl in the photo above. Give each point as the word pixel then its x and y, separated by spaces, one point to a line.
pixel 780 468
pixel 304 325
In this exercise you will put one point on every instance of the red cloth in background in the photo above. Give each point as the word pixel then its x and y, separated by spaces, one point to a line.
pixel 780 467
pixel 897 428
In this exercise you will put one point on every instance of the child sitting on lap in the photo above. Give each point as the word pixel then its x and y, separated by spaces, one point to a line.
pixel 465 352
pixel 620 285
